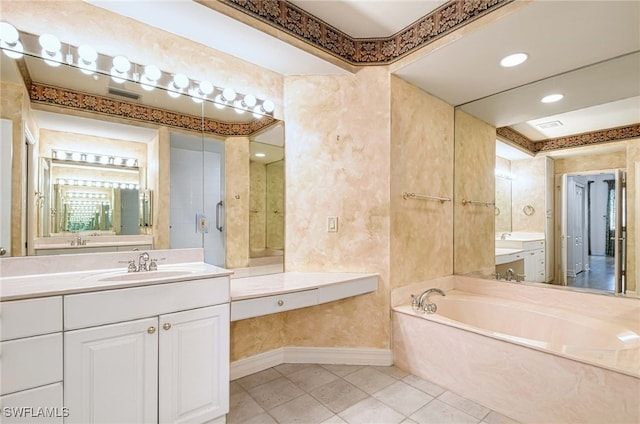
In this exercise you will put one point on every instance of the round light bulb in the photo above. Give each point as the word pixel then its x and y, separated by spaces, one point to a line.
pixel 268 106
pixel 206 87
pixel 228 94
pixel 180 80
pixel 50 43
pixel 249 100
pixel 8 33
pixel 121 64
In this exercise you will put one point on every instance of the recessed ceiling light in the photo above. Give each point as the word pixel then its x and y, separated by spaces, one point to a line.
pixel 260 155
pixel 513 60
pixel 551 98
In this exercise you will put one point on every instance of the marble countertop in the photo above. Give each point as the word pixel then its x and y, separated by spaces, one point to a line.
pixel 288 282
pixel 63 283
pixel 506 251
pixel 89 244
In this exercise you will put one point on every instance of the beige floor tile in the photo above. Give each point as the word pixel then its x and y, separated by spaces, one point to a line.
pixel 495 418
pixel 465 405
pixel 302 410
pixel 403 398
pixel 371 411
pixel 439 412
pixel 338 395
pixel 263 418
pixel 392 371
pixel 275 392
pixel 242 407
pixel 253 380
pixel 334 420
pixel 342 370
pixel 286 369
pixel 424 385
pixel 312 377
pixel 370 380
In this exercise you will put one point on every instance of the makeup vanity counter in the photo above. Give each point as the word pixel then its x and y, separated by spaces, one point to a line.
pixel 267 294
pixel 81 334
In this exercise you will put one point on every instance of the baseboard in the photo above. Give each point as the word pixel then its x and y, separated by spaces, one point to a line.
pixel 310 355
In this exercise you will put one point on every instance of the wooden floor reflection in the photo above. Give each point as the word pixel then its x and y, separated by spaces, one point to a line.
pixel 600 276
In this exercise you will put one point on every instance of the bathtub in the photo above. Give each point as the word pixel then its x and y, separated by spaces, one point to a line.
pixel 503 346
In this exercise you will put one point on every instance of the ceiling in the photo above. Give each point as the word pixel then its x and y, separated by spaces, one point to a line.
pixel 558 36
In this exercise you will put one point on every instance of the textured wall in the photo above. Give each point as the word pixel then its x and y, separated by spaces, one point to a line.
pixel 275 212
pixel 257 206
pixel 236 158
pixel 503 196
pixel 475 156
pixel 528 188
pixel 633 208
pixel 422 163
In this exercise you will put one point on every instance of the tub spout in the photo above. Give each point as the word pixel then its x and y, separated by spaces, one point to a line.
pixel 425 305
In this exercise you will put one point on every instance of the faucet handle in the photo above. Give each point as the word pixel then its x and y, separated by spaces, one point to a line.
pixel 497 275
pixel 153 265
pixel 415 303
pixel 520 278
pixel 132 266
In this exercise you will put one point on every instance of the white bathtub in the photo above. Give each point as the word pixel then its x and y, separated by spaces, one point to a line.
pixel 532 362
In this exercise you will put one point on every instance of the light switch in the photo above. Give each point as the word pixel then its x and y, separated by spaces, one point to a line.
pixel 332 224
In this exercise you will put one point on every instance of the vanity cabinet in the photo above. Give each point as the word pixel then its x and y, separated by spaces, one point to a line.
pixel 31 354
pixel 169 367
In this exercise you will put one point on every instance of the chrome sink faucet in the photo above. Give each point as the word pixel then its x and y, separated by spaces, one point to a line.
pixel 503 236
pixel 422 303
pixel 142 262
pixel 509 275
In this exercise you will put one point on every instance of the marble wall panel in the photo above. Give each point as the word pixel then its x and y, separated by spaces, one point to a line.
pixel 633 209
pixel 474 224
pixel 422 163
pixel 503 196
pixel 275 213
pixel 257 206
pixel 236 159
pixel 528 189
pixel 338 164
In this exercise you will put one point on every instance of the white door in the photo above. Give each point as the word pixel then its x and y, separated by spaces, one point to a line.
pixel 563 231
pixel 111 373
pixel 194 365
pixel 577 217
pixel 6 156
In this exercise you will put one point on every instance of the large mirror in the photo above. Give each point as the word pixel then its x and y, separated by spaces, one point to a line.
pixel 105 178
pixel 562 213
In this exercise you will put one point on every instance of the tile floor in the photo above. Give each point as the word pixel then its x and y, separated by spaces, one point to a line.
pixel 353 394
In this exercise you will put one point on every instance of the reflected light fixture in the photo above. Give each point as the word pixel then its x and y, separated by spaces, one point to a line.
pixel 50 49
pixel 87 57
pixel 150 77
pixel 260 155
pixel 513 60
pixel 199 93
pixel 179 83
pixel 120 69
pixel 10 41
pixel 552 98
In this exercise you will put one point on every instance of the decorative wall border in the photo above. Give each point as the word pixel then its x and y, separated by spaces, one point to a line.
pixel 609 135
pixel 61 97
pixel 289 18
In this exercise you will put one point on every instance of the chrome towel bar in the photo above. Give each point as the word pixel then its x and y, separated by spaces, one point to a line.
pixel 406 195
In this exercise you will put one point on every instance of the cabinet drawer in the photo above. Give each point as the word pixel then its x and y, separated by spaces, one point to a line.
pixel 30 362
pixel 110 306
pixel 32 317
pixel 249 308
pixel 529 245
pixel 48 397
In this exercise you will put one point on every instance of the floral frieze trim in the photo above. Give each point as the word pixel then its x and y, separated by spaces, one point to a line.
pixel 578 140
pixel 516 138
pixel 55 96
pixel 589 138
pixel 289 18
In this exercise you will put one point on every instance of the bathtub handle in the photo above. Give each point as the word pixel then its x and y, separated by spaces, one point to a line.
pixel 415 303
pixel 430 308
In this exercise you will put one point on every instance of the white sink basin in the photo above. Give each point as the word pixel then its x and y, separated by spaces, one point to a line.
pixel 142 276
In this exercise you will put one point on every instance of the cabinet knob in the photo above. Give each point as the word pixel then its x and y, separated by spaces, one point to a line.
pixel 166 326
pixel 151 330
pixel 280 302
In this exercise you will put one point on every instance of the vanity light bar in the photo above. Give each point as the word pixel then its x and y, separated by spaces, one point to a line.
pixel 89 183
pixel 504 174
pixel 96 158
pixel 15 44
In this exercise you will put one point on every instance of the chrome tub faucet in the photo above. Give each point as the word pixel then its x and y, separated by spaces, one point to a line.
pixel 422 303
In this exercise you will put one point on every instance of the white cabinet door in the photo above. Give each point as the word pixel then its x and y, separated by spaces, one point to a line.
pixel 111 373
pixel 194 365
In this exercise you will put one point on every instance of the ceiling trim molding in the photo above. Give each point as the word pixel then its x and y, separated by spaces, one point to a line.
pixel 61 97
pixel 589 138
pixel 608 135
pixel 292 20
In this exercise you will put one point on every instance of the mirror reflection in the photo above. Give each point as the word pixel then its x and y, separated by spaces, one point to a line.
pixel 266 198
pixel 561 210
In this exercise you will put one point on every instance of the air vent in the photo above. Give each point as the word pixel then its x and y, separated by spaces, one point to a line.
pixel 123 93
pixel 550 124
